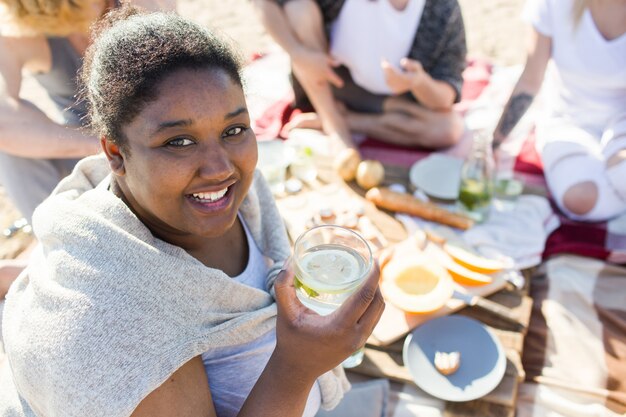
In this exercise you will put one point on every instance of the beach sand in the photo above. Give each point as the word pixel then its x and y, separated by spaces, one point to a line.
pixel 494 31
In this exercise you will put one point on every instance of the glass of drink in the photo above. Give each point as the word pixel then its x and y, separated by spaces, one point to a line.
pixel 507 188
pixel 303 164
pixel 476 189
pixel 274 158
pixel 330 263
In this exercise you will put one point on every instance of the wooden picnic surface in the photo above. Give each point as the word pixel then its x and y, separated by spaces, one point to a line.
pixel 385 361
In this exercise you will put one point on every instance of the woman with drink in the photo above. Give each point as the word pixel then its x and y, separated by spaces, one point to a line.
pixel 582 139
pixel 151 291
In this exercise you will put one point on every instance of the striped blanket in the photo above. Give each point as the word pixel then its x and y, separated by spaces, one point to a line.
pixel 575 349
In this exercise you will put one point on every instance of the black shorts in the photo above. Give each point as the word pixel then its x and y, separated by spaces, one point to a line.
pixel 355 98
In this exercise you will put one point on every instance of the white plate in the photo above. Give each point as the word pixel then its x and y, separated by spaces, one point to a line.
pixel 439 176
pixel 483 361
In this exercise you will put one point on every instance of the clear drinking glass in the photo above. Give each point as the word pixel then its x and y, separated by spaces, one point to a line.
pixel 303 164
pixel 506 190
pixel 274 158
pixel 330 263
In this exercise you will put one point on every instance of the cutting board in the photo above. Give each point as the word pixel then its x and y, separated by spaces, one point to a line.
pixel 297 211
pixel 395 323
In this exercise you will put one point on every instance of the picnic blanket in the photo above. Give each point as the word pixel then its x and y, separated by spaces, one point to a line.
pixel 486 89
pixel 575 349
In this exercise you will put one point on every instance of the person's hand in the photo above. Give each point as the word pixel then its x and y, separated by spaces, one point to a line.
pixel 315 67
pixel 311 344
pixel 404 79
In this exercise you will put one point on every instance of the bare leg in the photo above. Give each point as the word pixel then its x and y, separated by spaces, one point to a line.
pixel 407 123
pixel 305 19
pixel 581 198
pixel 9 271
pixel 11 268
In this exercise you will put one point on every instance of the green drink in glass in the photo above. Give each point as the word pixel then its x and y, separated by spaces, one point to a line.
pixel 330 262
pixel 475 198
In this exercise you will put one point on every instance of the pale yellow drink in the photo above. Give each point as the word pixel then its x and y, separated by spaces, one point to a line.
pixel 331 262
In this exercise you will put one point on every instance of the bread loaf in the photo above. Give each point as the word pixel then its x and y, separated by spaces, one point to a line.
pixel 404 203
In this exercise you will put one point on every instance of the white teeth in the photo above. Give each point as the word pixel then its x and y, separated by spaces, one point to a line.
pixel 210 197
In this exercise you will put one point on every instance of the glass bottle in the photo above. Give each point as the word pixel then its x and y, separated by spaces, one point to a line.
pixel 476 189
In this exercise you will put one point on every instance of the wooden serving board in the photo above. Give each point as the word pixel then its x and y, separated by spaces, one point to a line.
pixel 297 211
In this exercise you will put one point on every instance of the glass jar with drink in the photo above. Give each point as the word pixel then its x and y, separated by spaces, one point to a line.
pixel 330 263
pixel 476 189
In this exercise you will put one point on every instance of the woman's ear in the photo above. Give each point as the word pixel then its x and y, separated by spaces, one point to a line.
pixel 114 155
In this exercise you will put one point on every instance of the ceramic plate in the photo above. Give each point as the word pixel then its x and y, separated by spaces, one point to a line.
pixel 439 176
pixel 483 361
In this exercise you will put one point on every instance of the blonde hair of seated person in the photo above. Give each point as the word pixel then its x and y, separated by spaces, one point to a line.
pixel 48 17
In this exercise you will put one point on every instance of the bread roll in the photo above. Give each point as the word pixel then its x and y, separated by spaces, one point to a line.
pixel 404 203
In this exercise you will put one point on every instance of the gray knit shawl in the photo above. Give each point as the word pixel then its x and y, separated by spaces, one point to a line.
pixel 106 311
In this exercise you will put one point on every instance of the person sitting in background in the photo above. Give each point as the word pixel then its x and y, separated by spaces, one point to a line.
pixel 390 69
pixel 582 138
pixel 47 39
pixel 151 291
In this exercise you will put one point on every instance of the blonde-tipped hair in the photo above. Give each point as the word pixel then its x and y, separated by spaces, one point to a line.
pixel 48 17
pixel 579 8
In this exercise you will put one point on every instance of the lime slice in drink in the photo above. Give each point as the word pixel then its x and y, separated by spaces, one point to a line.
pixel 330 270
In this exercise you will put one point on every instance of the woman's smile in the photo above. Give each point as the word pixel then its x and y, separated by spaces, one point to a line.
pixel 211 201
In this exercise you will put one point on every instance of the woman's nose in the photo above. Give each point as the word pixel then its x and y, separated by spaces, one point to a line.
pixel 215 164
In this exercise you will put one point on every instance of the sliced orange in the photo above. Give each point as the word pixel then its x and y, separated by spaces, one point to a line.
pixel 468 257
pixel 416 287
pixel 460 274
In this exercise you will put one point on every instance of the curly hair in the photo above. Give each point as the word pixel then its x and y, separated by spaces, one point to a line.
pixel 132 52
pixel 48 17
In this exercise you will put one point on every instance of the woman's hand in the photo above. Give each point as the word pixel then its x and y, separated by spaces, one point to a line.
pixel 311 344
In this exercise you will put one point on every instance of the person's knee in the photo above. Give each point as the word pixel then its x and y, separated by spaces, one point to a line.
pixel 304 16
pixel 581 198
pixel 449 131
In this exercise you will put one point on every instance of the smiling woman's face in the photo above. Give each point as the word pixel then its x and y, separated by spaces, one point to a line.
pixel 191 156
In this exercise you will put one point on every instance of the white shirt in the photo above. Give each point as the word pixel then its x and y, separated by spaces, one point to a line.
pixel 586 83
pixel 367 31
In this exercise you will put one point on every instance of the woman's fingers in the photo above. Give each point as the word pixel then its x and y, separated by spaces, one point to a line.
pixel 286 300
pixel 356 305
pixel 370 318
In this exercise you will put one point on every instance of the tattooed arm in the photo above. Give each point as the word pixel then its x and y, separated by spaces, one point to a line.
pixel 527 86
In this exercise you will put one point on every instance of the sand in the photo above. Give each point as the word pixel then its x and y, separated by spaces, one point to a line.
pixel 494 31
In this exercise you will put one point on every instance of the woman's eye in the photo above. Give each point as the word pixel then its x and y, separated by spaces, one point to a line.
pixel 180 142
pixel 234 131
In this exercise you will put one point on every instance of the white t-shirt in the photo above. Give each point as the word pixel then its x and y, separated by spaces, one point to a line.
pixel 586 81
pixel 367 31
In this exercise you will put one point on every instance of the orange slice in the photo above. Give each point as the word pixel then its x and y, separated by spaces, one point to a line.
pixel 416 287
pixel 466 256
pixel 459 273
